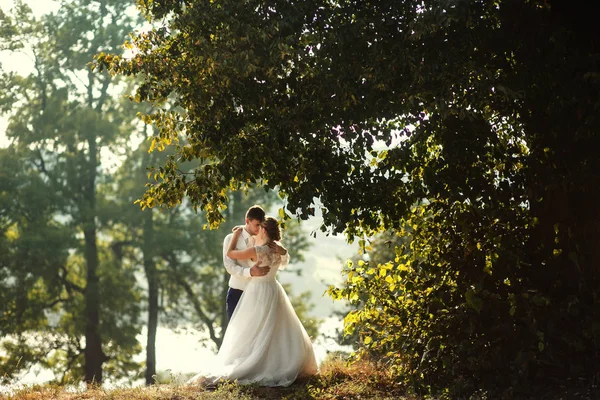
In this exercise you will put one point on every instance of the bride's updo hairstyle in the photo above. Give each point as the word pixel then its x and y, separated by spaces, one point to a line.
pixel 272 228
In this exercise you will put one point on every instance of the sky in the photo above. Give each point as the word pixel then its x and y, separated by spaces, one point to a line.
pixel 39 7
pixel 178 352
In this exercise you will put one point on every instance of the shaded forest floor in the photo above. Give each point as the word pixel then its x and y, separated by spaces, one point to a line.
pixel 336 380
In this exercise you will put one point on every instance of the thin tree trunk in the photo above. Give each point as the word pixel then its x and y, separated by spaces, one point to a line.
pixel 151 276
pixel 148 249
pixel 94 356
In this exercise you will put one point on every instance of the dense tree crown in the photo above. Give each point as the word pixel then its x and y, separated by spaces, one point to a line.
pixel 469 128
pixel 303 95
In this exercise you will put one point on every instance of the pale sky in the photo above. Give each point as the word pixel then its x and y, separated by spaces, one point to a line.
pixel 38 7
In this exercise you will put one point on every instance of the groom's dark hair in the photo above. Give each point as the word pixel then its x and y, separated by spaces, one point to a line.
pixel 256 212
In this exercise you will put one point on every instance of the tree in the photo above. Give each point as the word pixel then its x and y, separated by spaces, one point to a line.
pixel 34 249
pixel 473 123
pixel 136 234
pixel 62 117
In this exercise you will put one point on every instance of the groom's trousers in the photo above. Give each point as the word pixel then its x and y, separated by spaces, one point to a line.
pixel 233 297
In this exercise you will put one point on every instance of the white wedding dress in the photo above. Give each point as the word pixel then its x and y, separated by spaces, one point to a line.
pixel 265 342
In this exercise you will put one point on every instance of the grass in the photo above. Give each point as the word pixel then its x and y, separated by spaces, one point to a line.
pixel 336 380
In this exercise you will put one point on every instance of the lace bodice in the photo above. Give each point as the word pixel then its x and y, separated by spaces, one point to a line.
pixel 267 257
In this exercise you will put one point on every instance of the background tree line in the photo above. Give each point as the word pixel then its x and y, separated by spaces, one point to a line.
pixel 467 130
pixel 82 268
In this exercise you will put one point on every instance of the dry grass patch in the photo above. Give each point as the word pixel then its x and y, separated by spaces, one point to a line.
pixel 362 380
pixel 156 392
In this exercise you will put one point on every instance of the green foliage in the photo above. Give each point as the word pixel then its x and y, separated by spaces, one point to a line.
pixel 28 237
pixel 470 128
pixel 438 323
pixel 42 300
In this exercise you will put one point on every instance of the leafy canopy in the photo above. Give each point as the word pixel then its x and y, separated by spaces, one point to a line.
pixel 266 93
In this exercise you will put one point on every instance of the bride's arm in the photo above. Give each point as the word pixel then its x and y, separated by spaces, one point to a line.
pixel 239 254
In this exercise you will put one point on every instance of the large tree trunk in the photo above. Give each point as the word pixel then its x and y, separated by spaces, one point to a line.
pixel 151 276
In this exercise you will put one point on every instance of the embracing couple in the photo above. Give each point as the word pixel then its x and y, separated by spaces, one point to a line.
pixel 265 342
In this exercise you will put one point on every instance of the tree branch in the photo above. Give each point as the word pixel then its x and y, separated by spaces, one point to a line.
pixel 68 284
pixel 55 302
pixel 42 165
pixel 117 248
pixel 193 297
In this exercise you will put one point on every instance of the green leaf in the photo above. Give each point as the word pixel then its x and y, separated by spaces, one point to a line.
pixel 473 300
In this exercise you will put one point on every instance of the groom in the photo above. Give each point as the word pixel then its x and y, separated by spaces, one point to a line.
pixel 241 274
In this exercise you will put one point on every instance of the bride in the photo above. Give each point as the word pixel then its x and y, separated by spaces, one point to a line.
pixel 265 342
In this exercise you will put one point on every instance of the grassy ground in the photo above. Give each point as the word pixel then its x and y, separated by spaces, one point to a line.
pixel 336 380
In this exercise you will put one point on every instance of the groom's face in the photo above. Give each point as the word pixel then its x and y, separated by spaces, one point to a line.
pixel 253 226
